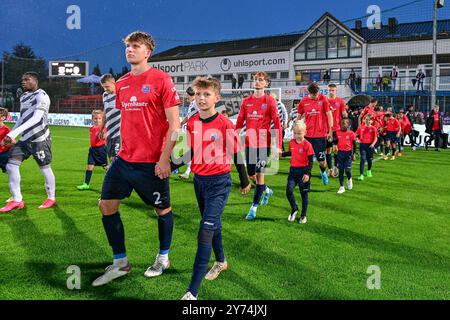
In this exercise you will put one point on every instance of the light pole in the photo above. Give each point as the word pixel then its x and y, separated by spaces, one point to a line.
pixel 3 77
pixel 437 4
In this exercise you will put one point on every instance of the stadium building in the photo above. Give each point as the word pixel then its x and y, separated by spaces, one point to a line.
pixel 327 47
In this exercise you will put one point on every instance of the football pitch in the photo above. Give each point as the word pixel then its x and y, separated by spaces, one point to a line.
pixel 397 221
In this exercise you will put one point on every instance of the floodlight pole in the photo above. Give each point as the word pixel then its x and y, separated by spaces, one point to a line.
pixel 3 77
pixel 434 75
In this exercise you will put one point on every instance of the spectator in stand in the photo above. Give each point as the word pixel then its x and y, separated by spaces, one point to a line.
pixel 420 76
pixel 352 80
pixel 386 82
pixel 326 77
pixel 240 81
pixel 298 79
pixel 358 83
pixel 434 127
pixel 233 82
pixel 394 76
pixel 378 82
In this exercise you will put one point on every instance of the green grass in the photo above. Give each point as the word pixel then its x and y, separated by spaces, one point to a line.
pixel 399 220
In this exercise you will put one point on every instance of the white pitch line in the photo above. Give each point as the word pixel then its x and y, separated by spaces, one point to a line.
pixel 72 138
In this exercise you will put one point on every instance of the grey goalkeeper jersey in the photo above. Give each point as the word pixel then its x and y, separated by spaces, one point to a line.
pixel 112 115
pixel 30 102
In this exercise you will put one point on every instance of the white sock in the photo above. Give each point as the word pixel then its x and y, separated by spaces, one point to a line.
pixel 188 170
pixel 254 208
pixel 267 189
pixel 122 262
pixel 14 181
pixel 49 182
pixel 163 256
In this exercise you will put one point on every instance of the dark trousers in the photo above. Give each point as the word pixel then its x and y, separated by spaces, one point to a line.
pixel 436 136
pixel 296 178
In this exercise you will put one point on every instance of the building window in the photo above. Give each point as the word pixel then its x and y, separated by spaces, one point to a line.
pixel 217 76
pixel 191 78
pixel 355 49
pixel 272 75
pixel 179 79
pixel 328 42
pixel 227 77
pixel 284 75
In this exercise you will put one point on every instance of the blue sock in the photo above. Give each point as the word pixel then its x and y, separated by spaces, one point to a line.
pixel 217 246
pixel 304 203
pixel 87 177
pixel 341 176
pixel 115 233
pixel 204 247
pixel 165 229
pixel 329 163
pixel 260 188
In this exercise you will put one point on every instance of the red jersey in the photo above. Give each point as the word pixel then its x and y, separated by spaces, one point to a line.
pixel 367 134
pixel 315 115
pixel 213 143
pixel 345 140
pixel 300 153
pixel 367 110
pixel 95 140
pixel 3 132
pixel 142 100
pixel 258 114
pixel 337 106
pixel 393 124
pixel 436 124
pixel 379 120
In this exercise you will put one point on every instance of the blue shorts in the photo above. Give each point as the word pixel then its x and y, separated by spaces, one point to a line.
pixel 319 145
pixel 212 195
pixel 296 178
pixel 365 151
pixel 345 159
pixel 256 160
pixel 392 136
pixel 123 177
pixel 4 157
pixel 97 156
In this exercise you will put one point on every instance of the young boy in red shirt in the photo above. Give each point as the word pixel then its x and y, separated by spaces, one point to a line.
pixel 368 137
pixel 346 145
pixel 302 159
pixel 393 132
pixel 4 130
pixel 406 129
pixel 214 146
pixel 98 155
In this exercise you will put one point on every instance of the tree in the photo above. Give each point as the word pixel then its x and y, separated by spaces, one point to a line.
pixel 111 72
pixel 97 71
pixel 124 72
pixel 20 60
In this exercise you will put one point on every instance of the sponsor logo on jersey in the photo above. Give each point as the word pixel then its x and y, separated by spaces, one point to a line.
pixel 264 106
pixel 134 103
